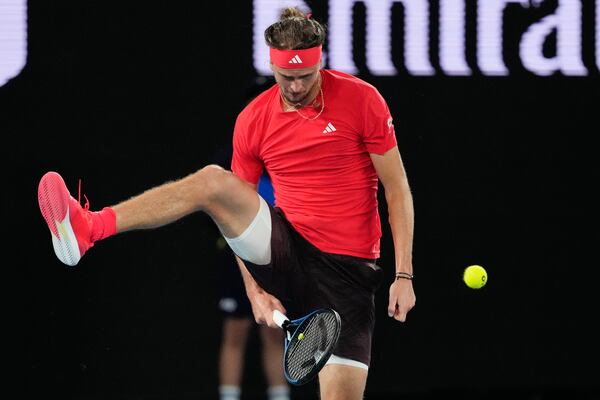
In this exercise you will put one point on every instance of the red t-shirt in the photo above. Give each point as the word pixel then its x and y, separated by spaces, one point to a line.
pixel 323 177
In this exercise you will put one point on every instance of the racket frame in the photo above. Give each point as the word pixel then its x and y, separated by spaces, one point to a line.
pixel 291 328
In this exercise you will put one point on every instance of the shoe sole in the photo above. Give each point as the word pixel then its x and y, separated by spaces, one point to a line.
pixel 53 198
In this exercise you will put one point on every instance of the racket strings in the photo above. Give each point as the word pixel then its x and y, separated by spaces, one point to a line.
pixel 313 342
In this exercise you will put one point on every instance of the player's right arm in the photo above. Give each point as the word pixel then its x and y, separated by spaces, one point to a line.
pixel 247 164
pixel 262 302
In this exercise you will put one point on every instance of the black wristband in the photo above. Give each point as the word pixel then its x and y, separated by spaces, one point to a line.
pixel 404 275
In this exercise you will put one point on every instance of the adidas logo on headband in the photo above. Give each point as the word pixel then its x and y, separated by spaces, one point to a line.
pixel 295 60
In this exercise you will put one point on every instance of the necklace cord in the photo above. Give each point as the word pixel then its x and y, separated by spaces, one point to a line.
pixel 298 111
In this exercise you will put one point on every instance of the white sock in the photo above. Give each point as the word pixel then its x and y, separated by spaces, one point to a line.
pixel 229 392
pixel 280 392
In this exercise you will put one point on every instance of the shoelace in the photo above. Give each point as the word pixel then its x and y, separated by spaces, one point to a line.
pixel 86 206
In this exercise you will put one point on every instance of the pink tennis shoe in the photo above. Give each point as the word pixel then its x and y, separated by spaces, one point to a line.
pixel 70 224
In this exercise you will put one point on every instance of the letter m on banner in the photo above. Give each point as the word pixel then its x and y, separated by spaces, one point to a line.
pixel 13 38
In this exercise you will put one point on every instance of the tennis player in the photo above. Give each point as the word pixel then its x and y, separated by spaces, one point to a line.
pixel 326 139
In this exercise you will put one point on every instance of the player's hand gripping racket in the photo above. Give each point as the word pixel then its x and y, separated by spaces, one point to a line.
pixel 309 342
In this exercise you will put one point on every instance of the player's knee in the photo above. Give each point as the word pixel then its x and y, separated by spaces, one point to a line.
pixel 213 181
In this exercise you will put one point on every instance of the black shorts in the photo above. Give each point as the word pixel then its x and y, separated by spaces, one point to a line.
pixel 304 278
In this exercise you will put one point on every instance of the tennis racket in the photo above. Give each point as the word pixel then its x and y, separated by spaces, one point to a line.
pixel 309 342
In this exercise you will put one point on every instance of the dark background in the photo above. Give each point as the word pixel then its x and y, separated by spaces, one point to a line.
pixel 128 95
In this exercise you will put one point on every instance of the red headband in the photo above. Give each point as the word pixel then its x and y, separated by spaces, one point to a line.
pixel 295 58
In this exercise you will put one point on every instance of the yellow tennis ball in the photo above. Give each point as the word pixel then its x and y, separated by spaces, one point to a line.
pixel 301 336
pixel 475 276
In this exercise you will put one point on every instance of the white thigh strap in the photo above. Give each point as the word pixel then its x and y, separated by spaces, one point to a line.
pixel 254 244
pixel 333 359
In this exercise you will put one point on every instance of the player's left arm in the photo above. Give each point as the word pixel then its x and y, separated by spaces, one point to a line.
pixel 392 175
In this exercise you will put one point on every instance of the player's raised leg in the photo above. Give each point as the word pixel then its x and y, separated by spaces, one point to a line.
pixel 231 203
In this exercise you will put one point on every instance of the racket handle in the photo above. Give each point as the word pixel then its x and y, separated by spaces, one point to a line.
pixel 279 318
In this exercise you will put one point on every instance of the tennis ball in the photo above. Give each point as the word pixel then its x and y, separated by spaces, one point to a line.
pixel 475 276
pixel 301 336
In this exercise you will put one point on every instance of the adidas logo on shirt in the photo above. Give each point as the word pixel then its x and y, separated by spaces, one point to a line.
pixel 295 60
pixel 330 128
